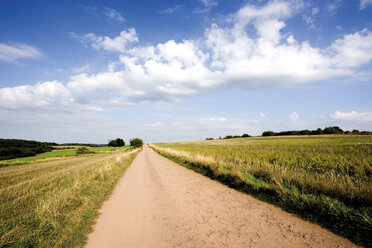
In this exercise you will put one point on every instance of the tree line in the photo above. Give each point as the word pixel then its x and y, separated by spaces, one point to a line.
pixel 17 148
pixel 326 130
pixel 232 137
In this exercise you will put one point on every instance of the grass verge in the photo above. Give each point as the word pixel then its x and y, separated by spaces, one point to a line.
pixel 343 219
pixel 55 203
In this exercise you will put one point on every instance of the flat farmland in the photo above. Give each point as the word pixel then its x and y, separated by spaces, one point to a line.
pixel 53 203
pixel 325 179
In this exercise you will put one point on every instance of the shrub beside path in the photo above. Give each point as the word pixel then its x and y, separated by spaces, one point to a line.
pixel 161 204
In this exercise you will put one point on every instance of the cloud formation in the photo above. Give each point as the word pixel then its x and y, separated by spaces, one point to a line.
pixel 365 3
pixel 333 6
pixel 114 15
pixel 171 10
pixel 13 53
pixel 310 18
pixel 117 44
pixel 294 116
pixel 207 6
pixel 226 56
pixel 352 116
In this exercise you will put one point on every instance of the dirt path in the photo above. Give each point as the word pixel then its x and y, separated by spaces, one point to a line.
pixel 161 204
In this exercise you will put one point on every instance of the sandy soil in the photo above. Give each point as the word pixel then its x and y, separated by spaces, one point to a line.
pixel 161 204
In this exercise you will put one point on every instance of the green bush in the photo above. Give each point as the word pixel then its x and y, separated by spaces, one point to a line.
pixel 116 143
pixel 136 142
pixel 82 150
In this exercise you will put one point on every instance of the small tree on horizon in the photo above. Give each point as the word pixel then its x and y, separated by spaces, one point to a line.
pixel 136 142
pixel 116 143
pixel 268 133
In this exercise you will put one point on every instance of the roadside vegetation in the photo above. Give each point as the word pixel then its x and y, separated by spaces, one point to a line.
pixel 54 203
pixel 326 178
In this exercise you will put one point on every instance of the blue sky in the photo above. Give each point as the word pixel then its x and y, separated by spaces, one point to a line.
pixel 79 71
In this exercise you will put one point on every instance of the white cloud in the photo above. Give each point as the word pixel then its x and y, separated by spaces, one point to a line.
pixel 41 95
pixel 171 10
pixel 365 3
pixel 352 116
pixel 90 9
pixel 13 53
pixel 310 19
pixel 207 6
pixel 209 3
pixel 352 50
pixel 155 124
pixel 117 44
pixel 261 115
pixel 314 11
pixel 225 57
pixel 82 69
pixel 219 119
pixel 294 116
pixel 333 6
pixel 114 15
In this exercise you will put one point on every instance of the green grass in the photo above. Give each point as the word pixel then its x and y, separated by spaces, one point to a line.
pixel 56 154
pixel 54 203
pixel 326 179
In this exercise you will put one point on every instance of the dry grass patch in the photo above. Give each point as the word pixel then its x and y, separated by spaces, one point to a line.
pixel 54 203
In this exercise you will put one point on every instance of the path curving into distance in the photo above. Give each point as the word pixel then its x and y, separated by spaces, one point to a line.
pixel 161 204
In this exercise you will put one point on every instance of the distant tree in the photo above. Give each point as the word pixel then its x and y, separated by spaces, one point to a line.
pixel 209 139
pixel 305 132
pixel 365 133
pixel 246 135
pixel 283 133
pixel 116 143
pixel 333 130
pixel 229 137
pixel 355 131
pixel 318 131
pixel 268 133
pixel 136 142
pixel 17 148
